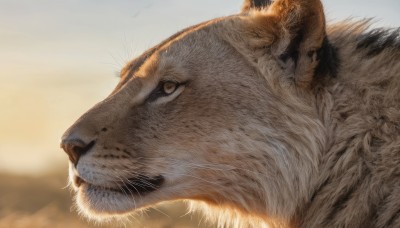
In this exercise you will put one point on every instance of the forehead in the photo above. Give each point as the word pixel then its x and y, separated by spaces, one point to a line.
pixel 152 54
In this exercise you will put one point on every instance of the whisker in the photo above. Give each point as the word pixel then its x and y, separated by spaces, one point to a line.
pixel 131 194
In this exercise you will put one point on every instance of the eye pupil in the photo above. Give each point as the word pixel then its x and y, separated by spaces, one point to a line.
pixel 169 87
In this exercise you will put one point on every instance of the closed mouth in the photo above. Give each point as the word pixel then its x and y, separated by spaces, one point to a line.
pixel 139 185
pixel 142 184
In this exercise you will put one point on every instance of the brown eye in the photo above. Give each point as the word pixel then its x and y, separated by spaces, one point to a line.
pixel 163 89
pixel 169 87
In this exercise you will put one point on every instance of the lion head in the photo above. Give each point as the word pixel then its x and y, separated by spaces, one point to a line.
pixel 219 113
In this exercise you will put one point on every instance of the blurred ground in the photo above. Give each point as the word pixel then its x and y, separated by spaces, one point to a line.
pixel 43 201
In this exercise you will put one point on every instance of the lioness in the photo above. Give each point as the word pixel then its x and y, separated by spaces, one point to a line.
pixel 267 117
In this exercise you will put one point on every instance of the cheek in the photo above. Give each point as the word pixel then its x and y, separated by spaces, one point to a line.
pixel 189 120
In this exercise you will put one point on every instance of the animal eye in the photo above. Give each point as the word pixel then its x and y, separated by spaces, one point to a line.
pixel 163 89
pixel 169 87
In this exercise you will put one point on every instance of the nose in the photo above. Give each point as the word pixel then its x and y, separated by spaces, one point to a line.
pixel 75 148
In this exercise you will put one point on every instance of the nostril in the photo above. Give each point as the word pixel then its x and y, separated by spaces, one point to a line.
pixel 81 150
pixel 75 148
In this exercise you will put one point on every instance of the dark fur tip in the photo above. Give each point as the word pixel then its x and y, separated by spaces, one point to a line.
pixel 260 3
pixel 329 61
pixel 378 40
pixel 257 4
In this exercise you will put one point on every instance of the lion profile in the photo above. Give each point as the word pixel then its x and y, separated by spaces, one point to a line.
pixel 268 117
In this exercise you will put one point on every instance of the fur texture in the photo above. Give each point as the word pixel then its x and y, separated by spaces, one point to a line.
pixel 274 120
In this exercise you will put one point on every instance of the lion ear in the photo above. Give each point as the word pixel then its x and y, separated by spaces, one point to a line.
pixel 297 28
pixel 301 39
pixel 255 4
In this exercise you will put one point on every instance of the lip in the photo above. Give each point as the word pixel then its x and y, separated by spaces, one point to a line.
pixel 78 181
pixel 139 185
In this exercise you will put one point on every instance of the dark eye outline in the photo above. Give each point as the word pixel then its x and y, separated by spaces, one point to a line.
pixel 159 90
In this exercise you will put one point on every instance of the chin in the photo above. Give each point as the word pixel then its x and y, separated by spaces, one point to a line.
pixel 105 203
pixel 102 203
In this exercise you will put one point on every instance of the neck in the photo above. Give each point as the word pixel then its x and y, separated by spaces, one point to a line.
pixel 360 112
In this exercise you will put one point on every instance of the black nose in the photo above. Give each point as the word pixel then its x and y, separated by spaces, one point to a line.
pixel 75 148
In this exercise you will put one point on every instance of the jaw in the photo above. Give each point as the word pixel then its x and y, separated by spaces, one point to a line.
pixel 103 202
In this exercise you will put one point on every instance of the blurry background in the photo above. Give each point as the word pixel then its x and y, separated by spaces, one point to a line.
pixel 58 58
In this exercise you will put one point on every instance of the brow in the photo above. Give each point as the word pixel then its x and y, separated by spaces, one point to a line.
pixel 128 72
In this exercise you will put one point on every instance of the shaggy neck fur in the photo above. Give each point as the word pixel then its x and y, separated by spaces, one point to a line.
pixel 357 183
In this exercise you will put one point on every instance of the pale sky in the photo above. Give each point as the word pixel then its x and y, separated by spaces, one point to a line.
pixel 58 58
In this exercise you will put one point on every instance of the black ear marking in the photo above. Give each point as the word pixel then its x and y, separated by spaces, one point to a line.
pixel 329 62
pixel 260 3
pixel 255 4
pixel 292 51
pixel 327 56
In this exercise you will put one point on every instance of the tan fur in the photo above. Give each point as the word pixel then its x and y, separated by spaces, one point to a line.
pixel 254 135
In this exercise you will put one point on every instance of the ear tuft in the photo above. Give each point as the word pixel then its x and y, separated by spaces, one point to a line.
pixel 255 4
